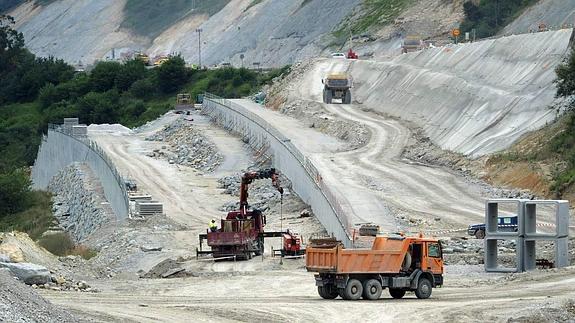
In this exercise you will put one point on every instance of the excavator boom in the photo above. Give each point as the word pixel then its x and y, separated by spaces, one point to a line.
pixel 249 177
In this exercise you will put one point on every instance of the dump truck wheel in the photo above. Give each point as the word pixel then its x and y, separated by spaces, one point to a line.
pixel 353 290
pixel 480 234
pixel 328 96
pixel 327 292
pixel 396 293
pixel 347 97
pixel 372 289
pixel 423 290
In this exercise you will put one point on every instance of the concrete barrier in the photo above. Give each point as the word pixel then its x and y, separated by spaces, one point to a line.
pixel 59 149
pixel 306 180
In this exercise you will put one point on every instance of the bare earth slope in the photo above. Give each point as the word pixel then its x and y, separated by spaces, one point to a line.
pixel 553 13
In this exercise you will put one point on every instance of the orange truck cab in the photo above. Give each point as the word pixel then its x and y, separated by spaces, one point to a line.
pixel 398 263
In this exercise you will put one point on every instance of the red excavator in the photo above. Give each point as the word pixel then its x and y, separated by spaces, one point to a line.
pixel 241 234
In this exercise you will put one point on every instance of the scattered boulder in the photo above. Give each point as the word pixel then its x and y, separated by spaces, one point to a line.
pixel 151 248
pixel 12 251
pixel 4 258
pixel 29 273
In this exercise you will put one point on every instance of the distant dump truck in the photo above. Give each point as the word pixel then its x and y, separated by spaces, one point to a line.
pixel 411 43
pixel 399 263
pixel 183 103
pixel 337 86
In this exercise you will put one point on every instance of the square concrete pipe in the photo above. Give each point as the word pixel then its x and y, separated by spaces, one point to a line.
pixel 561 208
pixel 560 237
pixel 561 252
pixel 491 256
pixel 493 233
pixel 492 228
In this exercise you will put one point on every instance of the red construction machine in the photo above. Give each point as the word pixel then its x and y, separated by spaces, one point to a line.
pixel 292 245
pixel 351 54
pixel 241 234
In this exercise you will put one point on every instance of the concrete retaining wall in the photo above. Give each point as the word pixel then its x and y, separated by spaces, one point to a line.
pixel 59 150
pixel 305 179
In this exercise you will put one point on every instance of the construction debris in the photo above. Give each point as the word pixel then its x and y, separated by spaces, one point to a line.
pixel 187 146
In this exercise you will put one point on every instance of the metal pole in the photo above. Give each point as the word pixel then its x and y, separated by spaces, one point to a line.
pixel 281 225
pixel 199 31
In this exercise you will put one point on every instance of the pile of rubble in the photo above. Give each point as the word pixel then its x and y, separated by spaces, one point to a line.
pixel 187 146
pixel 463 251
pixel 19 303
pixel 424 151
pixel 263 195
pixel 59 283
pixel 315 116
pixel 276 93
pixel 39 276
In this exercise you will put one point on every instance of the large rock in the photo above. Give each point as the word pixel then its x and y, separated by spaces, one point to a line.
pixel 4 258
pixel 29 273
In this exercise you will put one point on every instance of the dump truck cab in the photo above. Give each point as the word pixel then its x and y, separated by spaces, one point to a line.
pixel 401 264
pixel 337 86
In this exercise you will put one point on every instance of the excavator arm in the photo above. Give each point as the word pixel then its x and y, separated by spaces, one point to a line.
pixel 249 177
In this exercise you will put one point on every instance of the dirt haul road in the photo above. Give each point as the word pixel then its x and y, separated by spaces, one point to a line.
pixel 373 183
pixel 279 296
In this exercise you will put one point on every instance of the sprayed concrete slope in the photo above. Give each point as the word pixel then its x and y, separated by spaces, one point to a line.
pixel 273 32
pixel 74 30
pixel 553 13
pixel 474 99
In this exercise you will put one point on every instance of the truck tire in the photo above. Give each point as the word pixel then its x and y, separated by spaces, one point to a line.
pixel 423 290
pixel 353 290
pixel 327 292
pixel 480 234
pixel 328 96
pixel 347 97
pixel 372 289
pixel 396 293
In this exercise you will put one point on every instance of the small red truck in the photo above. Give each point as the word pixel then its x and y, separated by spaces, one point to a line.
pixel 398 263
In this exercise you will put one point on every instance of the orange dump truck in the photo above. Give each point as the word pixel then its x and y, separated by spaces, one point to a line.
pixel 399 263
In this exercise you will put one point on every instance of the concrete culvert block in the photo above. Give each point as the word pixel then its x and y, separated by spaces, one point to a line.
pixel 29 273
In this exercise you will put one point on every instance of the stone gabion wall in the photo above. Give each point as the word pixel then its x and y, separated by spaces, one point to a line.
pixel 78 201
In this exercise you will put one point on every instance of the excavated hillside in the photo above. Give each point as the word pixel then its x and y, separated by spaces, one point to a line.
pixel 271 32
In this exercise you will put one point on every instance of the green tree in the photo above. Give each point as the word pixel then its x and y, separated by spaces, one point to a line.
pixel 143 89
pixel 103 76
pixel 172 75
pixel 96 107
pixel 490 16
pixel 11 44
pixel 131 72
pixel 14 192
pixel 566 77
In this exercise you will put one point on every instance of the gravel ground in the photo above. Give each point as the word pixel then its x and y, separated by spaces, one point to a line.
pixel 20 303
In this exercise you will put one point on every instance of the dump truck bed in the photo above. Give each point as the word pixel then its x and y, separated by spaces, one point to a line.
pixel 386 256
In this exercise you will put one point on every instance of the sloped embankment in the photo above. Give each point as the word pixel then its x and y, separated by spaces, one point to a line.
pixel 474 99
